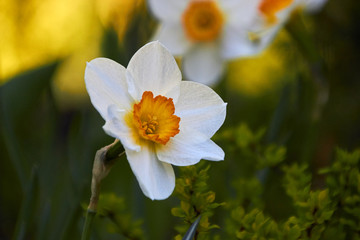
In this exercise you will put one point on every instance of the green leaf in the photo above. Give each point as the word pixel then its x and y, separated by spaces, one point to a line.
pixel 189 235
pixel 245 137
pixel 19 94
pixel 28 207
pixel 292 229
pixel 178 212
pixel 114 209
pixel 196 199
pixel 273 155
pixel 17 99
pixel 317 231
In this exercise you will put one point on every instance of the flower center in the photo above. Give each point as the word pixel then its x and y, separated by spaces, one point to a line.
pixel 270 7
pixel 202 20
pixel 154 118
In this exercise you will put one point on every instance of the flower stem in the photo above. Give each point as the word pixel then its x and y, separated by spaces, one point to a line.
pixel 104 160
pixel 115 151
pixel 87 225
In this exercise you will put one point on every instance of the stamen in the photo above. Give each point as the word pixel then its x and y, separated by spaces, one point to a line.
pixel 155 119
pixel 202 20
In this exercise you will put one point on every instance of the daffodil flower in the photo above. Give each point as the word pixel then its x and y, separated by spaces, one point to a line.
pixel 272 15
pixel 159 119
pixel 205 33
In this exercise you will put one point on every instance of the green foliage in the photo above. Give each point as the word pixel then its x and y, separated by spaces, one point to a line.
pixel 254 159
pixel 114 208
pixel 252 225
pixel 314 208
pixel 250 149
pixel 248 193
pixel 343 181
pixel 247 220
pixel 329 213
pixel 297 182
pixel 195 200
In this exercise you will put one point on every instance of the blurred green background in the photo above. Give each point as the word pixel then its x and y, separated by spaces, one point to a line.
pixel 302 93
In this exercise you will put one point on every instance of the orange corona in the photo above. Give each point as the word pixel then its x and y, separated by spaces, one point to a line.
pixel 271 7
pixel 202 20
pixel 154 118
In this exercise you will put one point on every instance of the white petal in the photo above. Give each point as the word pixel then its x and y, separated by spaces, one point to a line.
pixel 168 10
pixel 156 178
pixel 200 109
pixel 284 14
pixel 313 6
pixel 268 34
pixel 240 13
pixel 153 68
pixel 264 36
pixel 106 84
pixel 173 37
pixel 181 150
pixel 116 127
pixel 203 64
pixel 242 17
pixel 263 33
pixel 236 43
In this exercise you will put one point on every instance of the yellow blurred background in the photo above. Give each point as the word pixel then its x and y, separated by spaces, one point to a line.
pixel 35 32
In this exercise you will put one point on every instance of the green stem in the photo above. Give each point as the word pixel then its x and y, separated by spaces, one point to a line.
pixel 90 214
pixel 104 160
pixel 114 151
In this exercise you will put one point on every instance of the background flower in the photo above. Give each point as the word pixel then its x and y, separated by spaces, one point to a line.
pixel 205 33
pixel 159 119
pixel 272 15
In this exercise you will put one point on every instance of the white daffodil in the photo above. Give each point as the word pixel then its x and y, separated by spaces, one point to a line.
pixel 159 119
pixel 205 32
pixel 272 15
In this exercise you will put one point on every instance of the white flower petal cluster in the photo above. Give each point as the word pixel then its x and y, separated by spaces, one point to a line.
pixel 245 31
pixel 123 97
pixel 264 32
pixel 203 61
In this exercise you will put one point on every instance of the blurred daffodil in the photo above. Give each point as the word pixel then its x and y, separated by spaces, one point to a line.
pixel 205 33
pixel 272 15
pixel 159 119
